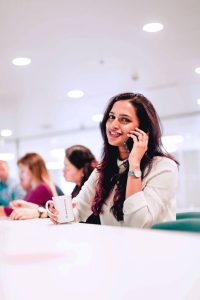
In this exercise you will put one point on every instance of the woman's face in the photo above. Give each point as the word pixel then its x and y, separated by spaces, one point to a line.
pixel 71 173
pixel 25 176
pixel 122 118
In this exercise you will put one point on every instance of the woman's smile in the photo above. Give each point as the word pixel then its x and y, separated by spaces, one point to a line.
pixel 114 134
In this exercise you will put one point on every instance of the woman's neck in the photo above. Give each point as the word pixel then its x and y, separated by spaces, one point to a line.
pixel 35 183
pixel 123 153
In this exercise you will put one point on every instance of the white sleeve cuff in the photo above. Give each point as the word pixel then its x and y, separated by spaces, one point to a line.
pixel 134 202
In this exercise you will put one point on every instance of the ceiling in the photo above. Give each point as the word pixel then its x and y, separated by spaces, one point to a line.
pixel 100 48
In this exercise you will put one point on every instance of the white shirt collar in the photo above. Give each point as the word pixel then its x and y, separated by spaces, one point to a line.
pixel 121 164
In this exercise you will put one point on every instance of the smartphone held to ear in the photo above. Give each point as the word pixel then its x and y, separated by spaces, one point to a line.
pixel 129 144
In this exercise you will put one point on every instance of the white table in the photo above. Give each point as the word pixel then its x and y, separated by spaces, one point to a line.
pixel 39 260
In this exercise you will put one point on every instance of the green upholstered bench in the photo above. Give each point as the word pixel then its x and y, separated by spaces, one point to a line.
pixel 190 225
pixel 188 215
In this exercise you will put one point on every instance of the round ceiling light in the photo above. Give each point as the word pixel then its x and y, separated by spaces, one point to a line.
pixel 7 156
pixel 6 132
pixel 97 118
pixel 197 70
pixel 153 27
pixel 21 61
pixel 75 94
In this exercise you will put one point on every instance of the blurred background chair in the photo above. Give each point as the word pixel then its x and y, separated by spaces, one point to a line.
pixel 188 215
pixel 190 225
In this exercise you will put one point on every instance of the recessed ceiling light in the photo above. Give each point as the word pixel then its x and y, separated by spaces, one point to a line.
pixel 75 94
pixel 97 117
pixel 6 132
pixel 198 101
pixel 7 156
pixel 172 139
pixel 21 61
pixel 170 148
pixel 57 153
pixel 54 165
pixel 197 70
pixel 153 27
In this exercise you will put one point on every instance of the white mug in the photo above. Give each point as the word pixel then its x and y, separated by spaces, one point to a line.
pixel 63 204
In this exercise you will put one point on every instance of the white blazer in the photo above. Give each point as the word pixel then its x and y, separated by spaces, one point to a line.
pixel 155 203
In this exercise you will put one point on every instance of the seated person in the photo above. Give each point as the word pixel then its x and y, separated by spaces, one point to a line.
pixel 34 175
pixel 9 188
pixel 135 184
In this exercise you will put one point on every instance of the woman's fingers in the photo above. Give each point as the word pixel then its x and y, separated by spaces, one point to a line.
pixel 14 215
pixel 52 213
pixel 140 134
pixel 54 220
pixel 53 210
pixel 14 203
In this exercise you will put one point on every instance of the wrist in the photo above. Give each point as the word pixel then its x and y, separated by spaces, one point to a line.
pixel 135 173
pixel 41 211
pixel 2 211
pixel 133 166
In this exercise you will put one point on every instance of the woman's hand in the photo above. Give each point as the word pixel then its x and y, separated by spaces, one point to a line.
pixel 53 214
pixel 24 213
pixel 2 212
pixel 140 143
pixel 22 204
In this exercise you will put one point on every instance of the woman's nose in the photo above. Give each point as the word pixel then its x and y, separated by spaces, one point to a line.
pixel 115 123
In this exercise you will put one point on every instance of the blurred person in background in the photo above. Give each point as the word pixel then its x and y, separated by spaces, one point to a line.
pixel 79 162
pixel 10 189
pixel 35 178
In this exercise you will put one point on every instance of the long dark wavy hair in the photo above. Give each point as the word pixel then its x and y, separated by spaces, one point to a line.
pixel 108 169
pixel 81 157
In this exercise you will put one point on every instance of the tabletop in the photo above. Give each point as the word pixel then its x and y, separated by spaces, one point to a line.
pixel 40 260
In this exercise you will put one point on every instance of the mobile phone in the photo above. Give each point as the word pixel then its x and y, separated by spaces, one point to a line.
pixel 129 144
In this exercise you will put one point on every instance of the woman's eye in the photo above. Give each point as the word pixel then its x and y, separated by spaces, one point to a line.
pixel 125 120
pixel 111 117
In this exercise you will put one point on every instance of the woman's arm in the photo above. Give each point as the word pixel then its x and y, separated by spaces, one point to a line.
pixel 21 210
pixel 157 201
pixel 83 201
pixel 22 204
pixel 24 213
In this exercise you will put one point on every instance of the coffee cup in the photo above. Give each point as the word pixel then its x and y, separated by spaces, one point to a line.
pixel 63 205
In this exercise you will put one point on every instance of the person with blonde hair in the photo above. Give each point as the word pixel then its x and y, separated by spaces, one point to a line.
pixel 33 172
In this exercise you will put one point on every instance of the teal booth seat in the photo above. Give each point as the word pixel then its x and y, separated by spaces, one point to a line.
pixel 188 215
pixel 190 225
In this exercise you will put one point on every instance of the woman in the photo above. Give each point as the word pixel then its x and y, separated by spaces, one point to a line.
pixel 79 163
pixel 35 178
pixel 131 187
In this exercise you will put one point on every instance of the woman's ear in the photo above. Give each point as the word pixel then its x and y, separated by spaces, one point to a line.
pixel 94 164
pixel 82 172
